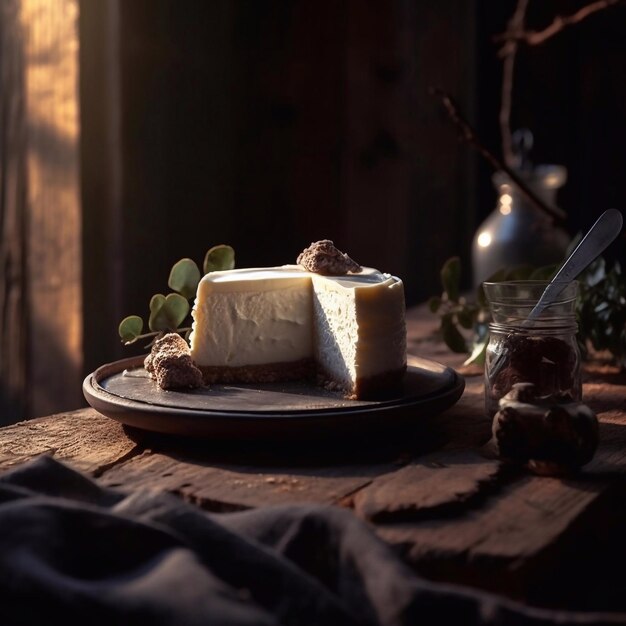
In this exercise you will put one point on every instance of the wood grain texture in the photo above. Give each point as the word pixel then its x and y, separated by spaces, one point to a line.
pixel 515 535
pixel 377 160
pixel 228 486
pixel 434 486
pixel 85 439
pixel 102 176
pixel 53 198
pixel 13 225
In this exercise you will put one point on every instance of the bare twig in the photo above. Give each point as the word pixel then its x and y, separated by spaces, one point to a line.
pixel 468 134
pixel 517 34
pixel 536 37
pixel 515 26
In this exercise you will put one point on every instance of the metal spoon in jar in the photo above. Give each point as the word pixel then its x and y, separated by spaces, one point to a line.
pixel 597 239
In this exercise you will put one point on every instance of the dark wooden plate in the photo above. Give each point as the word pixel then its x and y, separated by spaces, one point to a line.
pixel 123 391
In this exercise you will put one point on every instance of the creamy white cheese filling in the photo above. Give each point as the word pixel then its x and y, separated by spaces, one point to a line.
pixel 352 325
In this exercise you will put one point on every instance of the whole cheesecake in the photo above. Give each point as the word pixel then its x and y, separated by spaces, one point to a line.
pixel 287 323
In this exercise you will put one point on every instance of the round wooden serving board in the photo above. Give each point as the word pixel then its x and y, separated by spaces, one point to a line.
pixel 123 391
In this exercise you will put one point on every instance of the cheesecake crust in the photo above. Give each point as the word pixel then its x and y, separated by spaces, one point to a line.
pixel 379 387
pixel 382 386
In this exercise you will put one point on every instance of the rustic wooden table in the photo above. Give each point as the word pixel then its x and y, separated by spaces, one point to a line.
pixel 451 511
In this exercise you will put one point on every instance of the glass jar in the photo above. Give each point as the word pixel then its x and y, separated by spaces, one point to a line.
pixel 543 351
pixel 516 232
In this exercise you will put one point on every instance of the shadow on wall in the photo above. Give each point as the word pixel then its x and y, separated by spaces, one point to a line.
pixel 10 408
pixel 44 394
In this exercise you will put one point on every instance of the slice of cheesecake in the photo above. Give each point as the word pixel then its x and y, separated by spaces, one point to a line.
pixel 285 323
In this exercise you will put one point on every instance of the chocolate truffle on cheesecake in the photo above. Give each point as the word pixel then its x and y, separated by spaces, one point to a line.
pixel 288 323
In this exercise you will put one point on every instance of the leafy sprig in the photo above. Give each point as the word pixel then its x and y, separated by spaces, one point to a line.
pixel 169 312
pixel 457 314
pixel 600 308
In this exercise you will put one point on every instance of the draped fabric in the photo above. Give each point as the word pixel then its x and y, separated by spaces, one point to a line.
pixel 74 552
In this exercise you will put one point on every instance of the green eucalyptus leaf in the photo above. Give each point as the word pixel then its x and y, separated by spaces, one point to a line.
pixel 184 278
pixel 451 335
pixel 466 317
pixel 167 313
pixel 451 278
pixel 156 302
pixel 130 328
pixel 219 258
pixel 157 320
pixel 434 303
pixel 177 309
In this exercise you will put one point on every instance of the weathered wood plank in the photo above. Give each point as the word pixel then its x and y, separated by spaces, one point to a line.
pixel 522 519
pixel 465 424
pixel 492 546
pixel 84 439
pixel 512 538
pixel 434 486
pixel 503 541
pixel 227 487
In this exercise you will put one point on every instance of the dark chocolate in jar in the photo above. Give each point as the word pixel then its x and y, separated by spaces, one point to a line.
pixel 549 363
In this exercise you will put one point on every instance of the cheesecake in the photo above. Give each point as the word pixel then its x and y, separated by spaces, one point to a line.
pixel 257 325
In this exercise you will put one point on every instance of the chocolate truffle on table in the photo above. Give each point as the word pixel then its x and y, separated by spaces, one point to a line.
pixel 548 434
pixel 170 363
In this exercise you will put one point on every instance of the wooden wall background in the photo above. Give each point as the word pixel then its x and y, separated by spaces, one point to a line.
pixel 41 355
pixel 135 133
pixel 13 225
pixel 267 126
